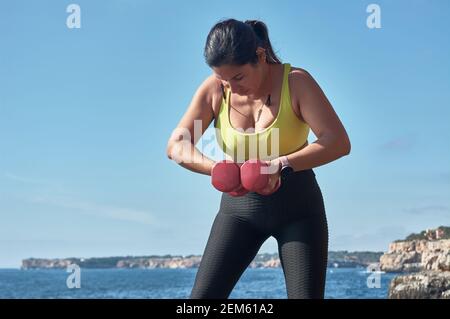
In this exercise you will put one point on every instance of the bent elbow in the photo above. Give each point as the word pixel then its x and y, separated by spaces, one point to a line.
pixel 347 147
pixel 169 150
pixel 342 146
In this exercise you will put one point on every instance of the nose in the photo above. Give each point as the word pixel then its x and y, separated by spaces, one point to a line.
pixel 235 88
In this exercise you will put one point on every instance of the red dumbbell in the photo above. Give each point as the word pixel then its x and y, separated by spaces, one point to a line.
pixel 254 179
pixel 225 177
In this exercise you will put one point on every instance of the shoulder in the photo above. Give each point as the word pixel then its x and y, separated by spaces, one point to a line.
pixel 212 91
pixel 298 76
pixel 299 84
pixel 304 87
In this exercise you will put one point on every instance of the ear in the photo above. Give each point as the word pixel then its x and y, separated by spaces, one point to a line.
pixel 261 53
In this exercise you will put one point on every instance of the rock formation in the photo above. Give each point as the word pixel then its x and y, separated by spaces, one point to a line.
pixel 427 257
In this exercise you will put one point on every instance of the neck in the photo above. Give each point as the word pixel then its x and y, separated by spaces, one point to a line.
pixel 266 86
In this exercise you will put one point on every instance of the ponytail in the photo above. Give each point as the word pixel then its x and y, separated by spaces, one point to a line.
pixel 235 42
pixel 262 35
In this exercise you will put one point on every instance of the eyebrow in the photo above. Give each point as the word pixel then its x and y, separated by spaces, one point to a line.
pixel 235 75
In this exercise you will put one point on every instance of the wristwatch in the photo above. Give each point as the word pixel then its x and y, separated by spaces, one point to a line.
pixel 286 168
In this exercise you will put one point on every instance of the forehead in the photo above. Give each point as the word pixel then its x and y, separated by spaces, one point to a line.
pixel 228 71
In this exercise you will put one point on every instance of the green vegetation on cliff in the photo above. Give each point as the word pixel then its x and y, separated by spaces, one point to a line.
pixel 442 232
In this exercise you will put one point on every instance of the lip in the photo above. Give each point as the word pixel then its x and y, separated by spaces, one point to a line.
pixel 242 93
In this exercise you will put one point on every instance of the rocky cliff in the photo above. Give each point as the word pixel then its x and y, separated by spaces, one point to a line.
pixel 417 255
pixel 421 285
pixel 429 262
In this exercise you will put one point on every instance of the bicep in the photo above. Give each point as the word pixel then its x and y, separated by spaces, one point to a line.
pixel 316 109
pixel 197 117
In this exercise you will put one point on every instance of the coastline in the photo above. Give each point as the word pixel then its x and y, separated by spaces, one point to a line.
pixel 336 259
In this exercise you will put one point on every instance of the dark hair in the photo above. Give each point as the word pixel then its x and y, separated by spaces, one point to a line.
pixel 235 42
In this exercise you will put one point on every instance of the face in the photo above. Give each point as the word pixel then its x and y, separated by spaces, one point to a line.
pixel 243 79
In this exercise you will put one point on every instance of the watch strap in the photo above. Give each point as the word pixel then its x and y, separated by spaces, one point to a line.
pixel 284 161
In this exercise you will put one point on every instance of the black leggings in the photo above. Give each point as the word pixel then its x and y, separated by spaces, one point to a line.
pixel 294 216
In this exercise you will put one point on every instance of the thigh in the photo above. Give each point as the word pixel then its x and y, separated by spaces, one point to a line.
pixel 303 249
pixel 231 246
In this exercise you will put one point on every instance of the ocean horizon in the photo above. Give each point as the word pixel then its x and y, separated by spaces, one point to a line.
pixel 255 283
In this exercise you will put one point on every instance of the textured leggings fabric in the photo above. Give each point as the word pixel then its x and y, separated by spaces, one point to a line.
pixel 294 216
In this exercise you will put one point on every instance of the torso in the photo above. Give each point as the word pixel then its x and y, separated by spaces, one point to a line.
pixel 268 114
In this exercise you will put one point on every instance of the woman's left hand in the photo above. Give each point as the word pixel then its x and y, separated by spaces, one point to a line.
pixel 274 174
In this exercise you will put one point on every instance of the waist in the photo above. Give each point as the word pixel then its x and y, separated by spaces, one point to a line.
pixel 297 188
pixel 302 175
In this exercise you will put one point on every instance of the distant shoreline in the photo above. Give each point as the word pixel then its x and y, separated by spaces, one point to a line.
pixel 336 259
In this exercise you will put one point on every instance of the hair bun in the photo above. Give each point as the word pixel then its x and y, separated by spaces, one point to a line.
pixel 259 28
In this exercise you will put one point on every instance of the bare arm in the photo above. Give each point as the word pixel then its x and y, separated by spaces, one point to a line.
pixel 181 144
pixel 332 139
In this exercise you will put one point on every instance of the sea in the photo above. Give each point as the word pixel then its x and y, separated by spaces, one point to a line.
pixel 255 283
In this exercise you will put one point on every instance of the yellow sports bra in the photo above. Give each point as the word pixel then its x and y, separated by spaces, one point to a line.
pixel 285 135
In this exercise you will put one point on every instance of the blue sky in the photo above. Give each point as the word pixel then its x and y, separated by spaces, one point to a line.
pixel 85 115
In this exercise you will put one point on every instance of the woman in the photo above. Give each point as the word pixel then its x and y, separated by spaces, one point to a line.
pixel 249 95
